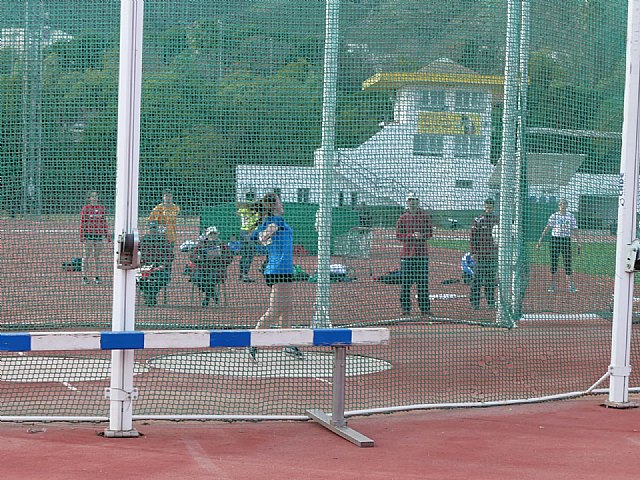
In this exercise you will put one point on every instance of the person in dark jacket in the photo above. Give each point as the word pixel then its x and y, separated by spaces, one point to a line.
pixel 413 230
pixel 156 258
pixel 484 253
pixel 210 259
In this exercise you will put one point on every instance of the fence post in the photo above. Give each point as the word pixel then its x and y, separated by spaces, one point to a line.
pixel 509 169
pixel 620 367
pixel 121 394
pixel 325 164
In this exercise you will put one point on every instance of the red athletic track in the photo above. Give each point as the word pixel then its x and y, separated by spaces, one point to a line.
pixel 575 439
pixel 453 362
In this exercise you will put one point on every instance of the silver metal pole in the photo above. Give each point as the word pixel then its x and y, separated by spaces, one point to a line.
pixel 325 163
pixel 520 267
pixel 32 108
pixel 620 367
pixel 508 180
pixel 126 213
pixel 339 378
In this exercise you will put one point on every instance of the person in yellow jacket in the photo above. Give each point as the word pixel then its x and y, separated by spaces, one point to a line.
pixel 166 214
pixel 250 219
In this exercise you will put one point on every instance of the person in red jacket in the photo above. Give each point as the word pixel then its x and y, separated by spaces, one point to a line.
pixel 93 231
pixel 413 230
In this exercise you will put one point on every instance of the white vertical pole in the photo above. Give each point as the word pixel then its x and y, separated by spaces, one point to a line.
pixel 126 214
pixel 520 270
pixel 508 181
pixel 325 163
pixel 620 367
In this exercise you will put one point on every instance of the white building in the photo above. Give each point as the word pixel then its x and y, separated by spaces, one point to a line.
pixel 438 147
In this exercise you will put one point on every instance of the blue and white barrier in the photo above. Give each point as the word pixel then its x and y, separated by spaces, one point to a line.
pixel 337 338
pixel 138 340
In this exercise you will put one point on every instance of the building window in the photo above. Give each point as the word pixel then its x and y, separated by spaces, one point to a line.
pixel 340 198
pixel 468 145
pixel 250 196
pixel 354 199
pixel 471 101
pixel 277 191
pixel 425 144
pixel 303 195
pixel 464 183
pixel 433 100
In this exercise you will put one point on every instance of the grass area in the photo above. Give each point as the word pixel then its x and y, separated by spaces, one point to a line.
pixel 594 258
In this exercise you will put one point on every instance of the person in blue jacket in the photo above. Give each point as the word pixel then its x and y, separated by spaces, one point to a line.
pixel 276 235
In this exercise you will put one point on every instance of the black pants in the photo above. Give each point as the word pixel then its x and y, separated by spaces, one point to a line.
pixel 484 275
pixel 151 286
pixel 561 246
pixel 209 283
pixel 415 270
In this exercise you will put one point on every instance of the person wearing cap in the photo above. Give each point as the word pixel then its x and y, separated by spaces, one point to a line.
pixel 156 258
pixel 484 252
pixel 413 230
pixel 210 259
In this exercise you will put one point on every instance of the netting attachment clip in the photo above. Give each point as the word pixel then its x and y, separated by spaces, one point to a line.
pixel 632 262
pixel 128 250
pixel 120 395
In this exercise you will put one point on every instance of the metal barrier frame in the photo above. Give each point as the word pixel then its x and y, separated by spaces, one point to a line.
pixel 121 399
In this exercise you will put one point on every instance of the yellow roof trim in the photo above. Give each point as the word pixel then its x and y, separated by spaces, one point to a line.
pixel 400 79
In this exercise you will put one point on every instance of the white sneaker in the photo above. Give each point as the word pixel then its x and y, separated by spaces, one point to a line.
pixel 572 288
pixel 552 288
pixel 253 353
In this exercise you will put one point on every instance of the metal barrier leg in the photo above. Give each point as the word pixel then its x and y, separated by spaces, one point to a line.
pixel 336 421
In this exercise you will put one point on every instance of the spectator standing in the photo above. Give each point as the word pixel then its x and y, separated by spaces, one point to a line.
pixel 210 258
pixel 561 223
pixel 413 230
pixel 249 219
pixel 484 254
pixel 156 259
pixel 166 214
pixel 93 231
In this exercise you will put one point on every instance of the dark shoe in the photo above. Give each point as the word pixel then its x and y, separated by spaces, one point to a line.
pixel 294 352
pixel 247 279
pixel 253 353
pixel 85 280
pixel 97 280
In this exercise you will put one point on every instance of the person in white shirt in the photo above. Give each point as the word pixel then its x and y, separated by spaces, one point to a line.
pixel 561 223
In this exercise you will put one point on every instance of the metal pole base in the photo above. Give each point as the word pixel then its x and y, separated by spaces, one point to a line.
pixel 345 432
pixel 121 433
pixel 620 405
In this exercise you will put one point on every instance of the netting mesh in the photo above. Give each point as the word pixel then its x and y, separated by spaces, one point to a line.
pixel 438 107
